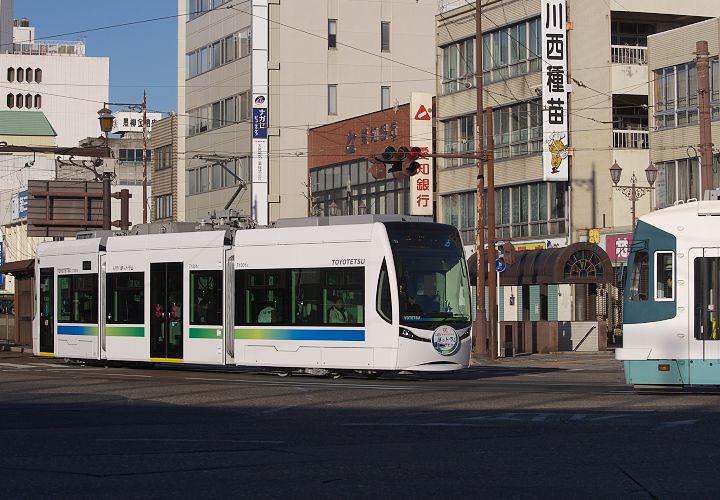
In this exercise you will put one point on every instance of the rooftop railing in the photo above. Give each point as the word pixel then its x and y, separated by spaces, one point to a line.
pixel 628 54
pixel 50 48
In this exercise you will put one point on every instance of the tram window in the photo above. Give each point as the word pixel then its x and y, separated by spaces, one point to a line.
pixel 206 297
pixel 343 296
pixel 311 297
pixel 384 303
pixel 664 276
pixel 639 279
pixel 125 298
pixel 707 289
pixel 77 298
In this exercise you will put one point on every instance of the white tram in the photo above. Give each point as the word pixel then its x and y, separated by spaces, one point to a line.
pixel 670 308
pixel 364 293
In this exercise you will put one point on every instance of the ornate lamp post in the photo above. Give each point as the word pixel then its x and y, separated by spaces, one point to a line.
pixel 633 191
pixel 106 122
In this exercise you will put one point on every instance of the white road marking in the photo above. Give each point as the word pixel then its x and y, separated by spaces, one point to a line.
pixel 181 440
pixel 127 375
pixel 308 385
pixel 678 423
pixel 15 365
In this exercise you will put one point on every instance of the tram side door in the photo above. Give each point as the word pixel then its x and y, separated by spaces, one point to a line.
pixel 47 310
pixel 703 302
pixel 166 315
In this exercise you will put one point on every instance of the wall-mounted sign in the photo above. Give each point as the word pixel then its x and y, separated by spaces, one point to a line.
pixel 555 90
pixel 618 246
pixel 19 205
pixel 421 184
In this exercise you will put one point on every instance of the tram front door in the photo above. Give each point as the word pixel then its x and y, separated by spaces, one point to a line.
pixel 704 338
pixel 166 315
pixel 47 310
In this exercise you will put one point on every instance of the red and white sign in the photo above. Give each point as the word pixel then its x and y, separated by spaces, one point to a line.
pixel 421 184
pixel 618 246
pixel 422 113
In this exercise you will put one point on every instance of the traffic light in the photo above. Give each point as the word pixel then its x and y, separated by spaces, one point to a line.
pixel 505 255
pixel 402 162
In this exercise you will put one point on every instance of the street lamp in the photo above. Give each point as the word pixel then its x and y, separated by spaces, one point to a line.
pixel 633 191
pixel 106 123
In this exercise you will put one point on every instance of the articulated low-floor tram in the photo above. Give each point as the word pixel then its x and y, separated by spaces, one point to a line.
pixel 671 334
pixel 362 293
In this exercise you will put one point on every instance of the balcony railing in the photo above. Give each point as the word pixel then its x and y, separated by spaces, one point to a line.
pixel 628 54
pixel 631 139
pixel 48 48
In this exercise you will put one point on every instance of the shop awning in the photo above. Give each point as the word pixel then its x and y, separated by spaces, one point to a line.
pixel 576 263
pixel 19 267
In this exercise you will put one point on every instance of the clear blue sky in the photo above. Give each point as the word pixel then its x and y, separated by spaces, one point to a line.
pixel 142 56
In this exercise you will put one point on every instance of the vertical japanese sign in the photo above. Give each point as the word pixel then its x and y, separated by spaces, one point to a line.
pixel 19 203
pixel 260 117
pixel 555 90
pixel 421 184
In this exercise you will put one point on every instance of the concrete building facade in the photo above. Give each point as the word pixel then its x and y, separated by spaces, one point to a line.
pixel 675 134
pixel 607 117
pixel 32 70
pixel 310 63
pixel 164 146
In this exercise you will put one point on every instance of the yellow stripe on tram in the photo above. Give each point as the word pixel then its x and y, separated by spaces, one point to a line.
pixel 166 360
pixel 47 354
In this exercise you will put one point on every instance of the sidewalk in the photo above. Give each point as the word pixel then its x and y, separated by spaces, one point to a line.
pixel 10 347
pixel 540 358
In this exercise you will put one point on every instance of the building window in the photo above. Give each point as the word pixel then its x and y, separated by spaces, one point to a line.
pixel 332 99
pixel 517 129
pixel 679 180
pixel 384 97
pixel 520 211
pixel 11 74
pixel 19 101
pixel 163 206
pixel 132 155
pixel 459 210
pixel 218 114
pixel 162 157
pixel 385 36
pixel 204 179
pixel 20 74
pixel 676 98
pixel 38 75
pixel 511 51
pixel 218 53
pixel 458 66
pixel 332 33
pixel 29 75
pixel 10 101
pixel 197 8
pixel 459 138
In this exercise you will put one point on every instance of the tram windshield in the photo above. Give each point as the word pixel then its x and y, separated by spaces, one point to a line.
pixel 432 274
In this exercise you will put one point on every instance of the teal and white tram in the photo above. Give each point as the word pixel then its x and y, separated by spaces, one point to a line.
pixel 670 314
pixel 363 293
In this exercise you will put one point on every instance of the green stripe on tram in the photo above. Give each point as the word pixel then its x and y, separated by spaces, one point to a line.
pixel 124 331
pixel 213 332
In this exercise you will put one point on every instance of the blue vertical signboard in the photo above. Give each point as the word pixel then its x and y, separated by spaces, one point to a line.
pixel 2 261
pixel 259 123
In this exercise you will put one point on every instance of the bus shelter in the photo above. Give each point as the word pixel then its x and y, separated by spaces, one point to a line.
pixel 534 314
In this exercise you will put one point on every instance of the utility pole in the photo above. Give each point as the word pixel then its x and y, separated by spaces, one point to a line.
pixel 144 185
pixel 481 336
pixel 702 63
pixel 493 311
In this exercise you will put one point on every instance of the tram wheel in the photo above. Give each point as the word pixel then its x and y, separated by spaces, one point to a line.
pixel 285 373
pixel 374 374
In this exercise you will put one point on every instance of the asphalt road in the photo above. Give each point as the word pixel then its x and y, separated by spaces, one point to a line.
pixel 543 426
